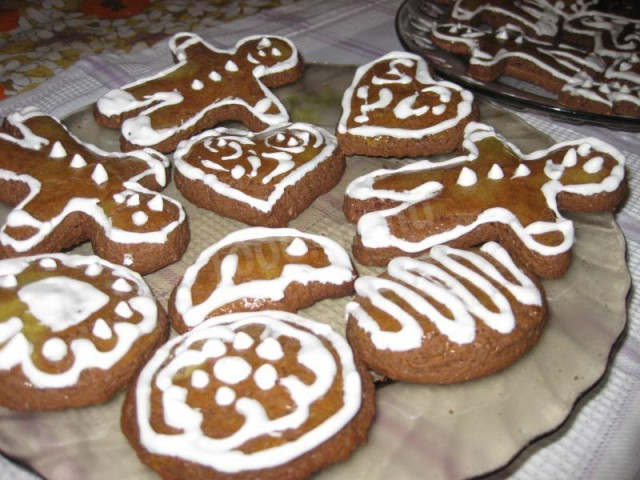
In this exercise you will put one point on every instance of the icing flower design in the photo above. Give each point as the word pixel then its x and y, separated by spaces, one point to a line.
pixel 494 192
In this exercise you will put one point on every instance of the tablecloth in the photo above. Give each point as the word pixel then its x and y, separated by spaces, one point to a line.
pixel 601 439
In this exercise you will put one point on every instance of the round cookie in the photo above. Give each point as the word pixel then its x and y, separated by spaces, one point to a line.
pixel 261 269
pixel 74 330
pixel 452 317
pixel 267 395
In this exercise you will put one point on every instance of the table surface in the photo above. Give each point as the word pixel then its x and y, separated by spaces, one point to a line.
pixel 60 60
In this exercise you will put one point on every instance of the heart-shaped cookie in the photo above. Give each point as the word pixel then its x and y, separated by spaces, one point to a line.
pixel 266 178
pixel 394 107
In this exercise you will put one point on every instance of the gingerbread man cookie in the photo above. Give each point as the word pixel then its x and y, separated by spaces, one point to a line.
pixel 259 269
pixel 267 395
pixel 454 316
pixel 395 108
pixel 495 192
pixel 206 86
pixel 74 330
pixel 66 192
pixel 265 179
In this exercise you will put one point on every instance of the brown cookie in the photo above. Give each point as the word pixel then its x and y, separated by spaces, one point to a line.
pixel 454 316
pixel 261 269
pixel 267 395
pixel 494 192
pixel 395 108
pixel 267 178
pixel 74 330
pixel 205 87
pixel 66 192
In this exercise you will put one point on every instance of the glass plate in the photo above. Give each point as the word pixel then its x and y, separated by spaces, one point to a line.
pixel 415 20
pixel 421 432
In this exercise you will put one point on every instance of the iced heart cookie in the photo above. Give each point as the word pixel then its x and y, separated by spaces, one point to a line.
pixel 259 269
pixel 74 330
pixel 267 395
pixel 454 316
pixel 494 192
pixel 206 86
pixel 66 192
pixel 395 108
pixel 267 178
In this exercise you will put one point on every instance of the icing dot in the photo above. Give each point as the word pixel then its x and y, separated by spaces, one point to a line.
pixel 232 370
pixel 124 310
pixel 570 158
pixel 10 328
pixel 199 379
pixel 242 341
pixel 238 172
pixel 215 76
pixel 553 171
pixel 266 376
pixel 495 173
pixel 521 171
pixel 78 162
pixel 467 177
pixel 197 85
pixel 102 330
pixel 438 109
pixel 230 66
pixel 119 198
pixel 133 200
pixel 214 348
pixel 99 174
pixel 264 42
pixel 593 165
pixel 54 349
pixel 584 149
pixel 8 281
pixel 139 218
pixel 48 263
pixel 270 349
pixel 156 204
pixel 297 248
pixel 121 285
pixel 225 396
pixel 127 259
pixel 57 151
pixel 93 270
pixel 276 52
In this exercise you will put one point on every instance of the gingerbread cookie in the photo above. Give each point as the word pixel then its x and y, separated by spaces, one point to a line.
pixel 494 192
pixel 455 316
pixel 66 192
pixel 267 395
pixel 74 330
pixel 259 269
pixel 264 179
pixel 206 86
pixel 395 108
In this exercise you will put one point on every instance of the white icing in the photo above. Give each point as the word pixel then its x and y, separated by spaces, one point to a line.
pixel 215 76
pixel 77 161
pixel 230 66
pixel 521 171
pixel 297 248
pixel 232 370
pixel 225 454
pixel 61 303
pixel 121 285
pixel 467 177
pixel 436 281
pixel 8 281
pixel 197 84
pixel 123 309
pixel 57 151
pixel 270 349
pixel 102 330
pixel 593 165
pixel 139 218
pixel 156 204
pixel 99 174
pixel 495 173
pixel 48 263
pixel 242 341
pixel 199 379
pixel 308 136
pixel 266 376
pixel 133 200
pixel 339 270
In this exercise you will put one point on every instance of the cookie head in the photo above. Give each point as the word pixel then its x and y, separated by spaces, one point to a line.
pixel 73 330
pixel 268 394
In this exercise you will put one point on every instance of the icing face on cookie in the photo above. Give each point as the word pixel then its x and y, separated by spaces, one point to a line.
pixel 396 96
pixel 232 162
pixel 69 186
pixel 429 203
pixel 247 391
pixel 66 314
pixel 208 85
pixel 255 269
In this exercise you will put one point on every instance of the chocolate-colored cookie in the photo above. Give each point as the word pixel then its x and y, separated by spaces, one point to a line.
pixel 205 87
pixel 265 179
pixel 494 192
pixel 259 269
pixel 267 395
pixel 74 330
pixel 454 316
pixel 394 108
pixel 66 192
